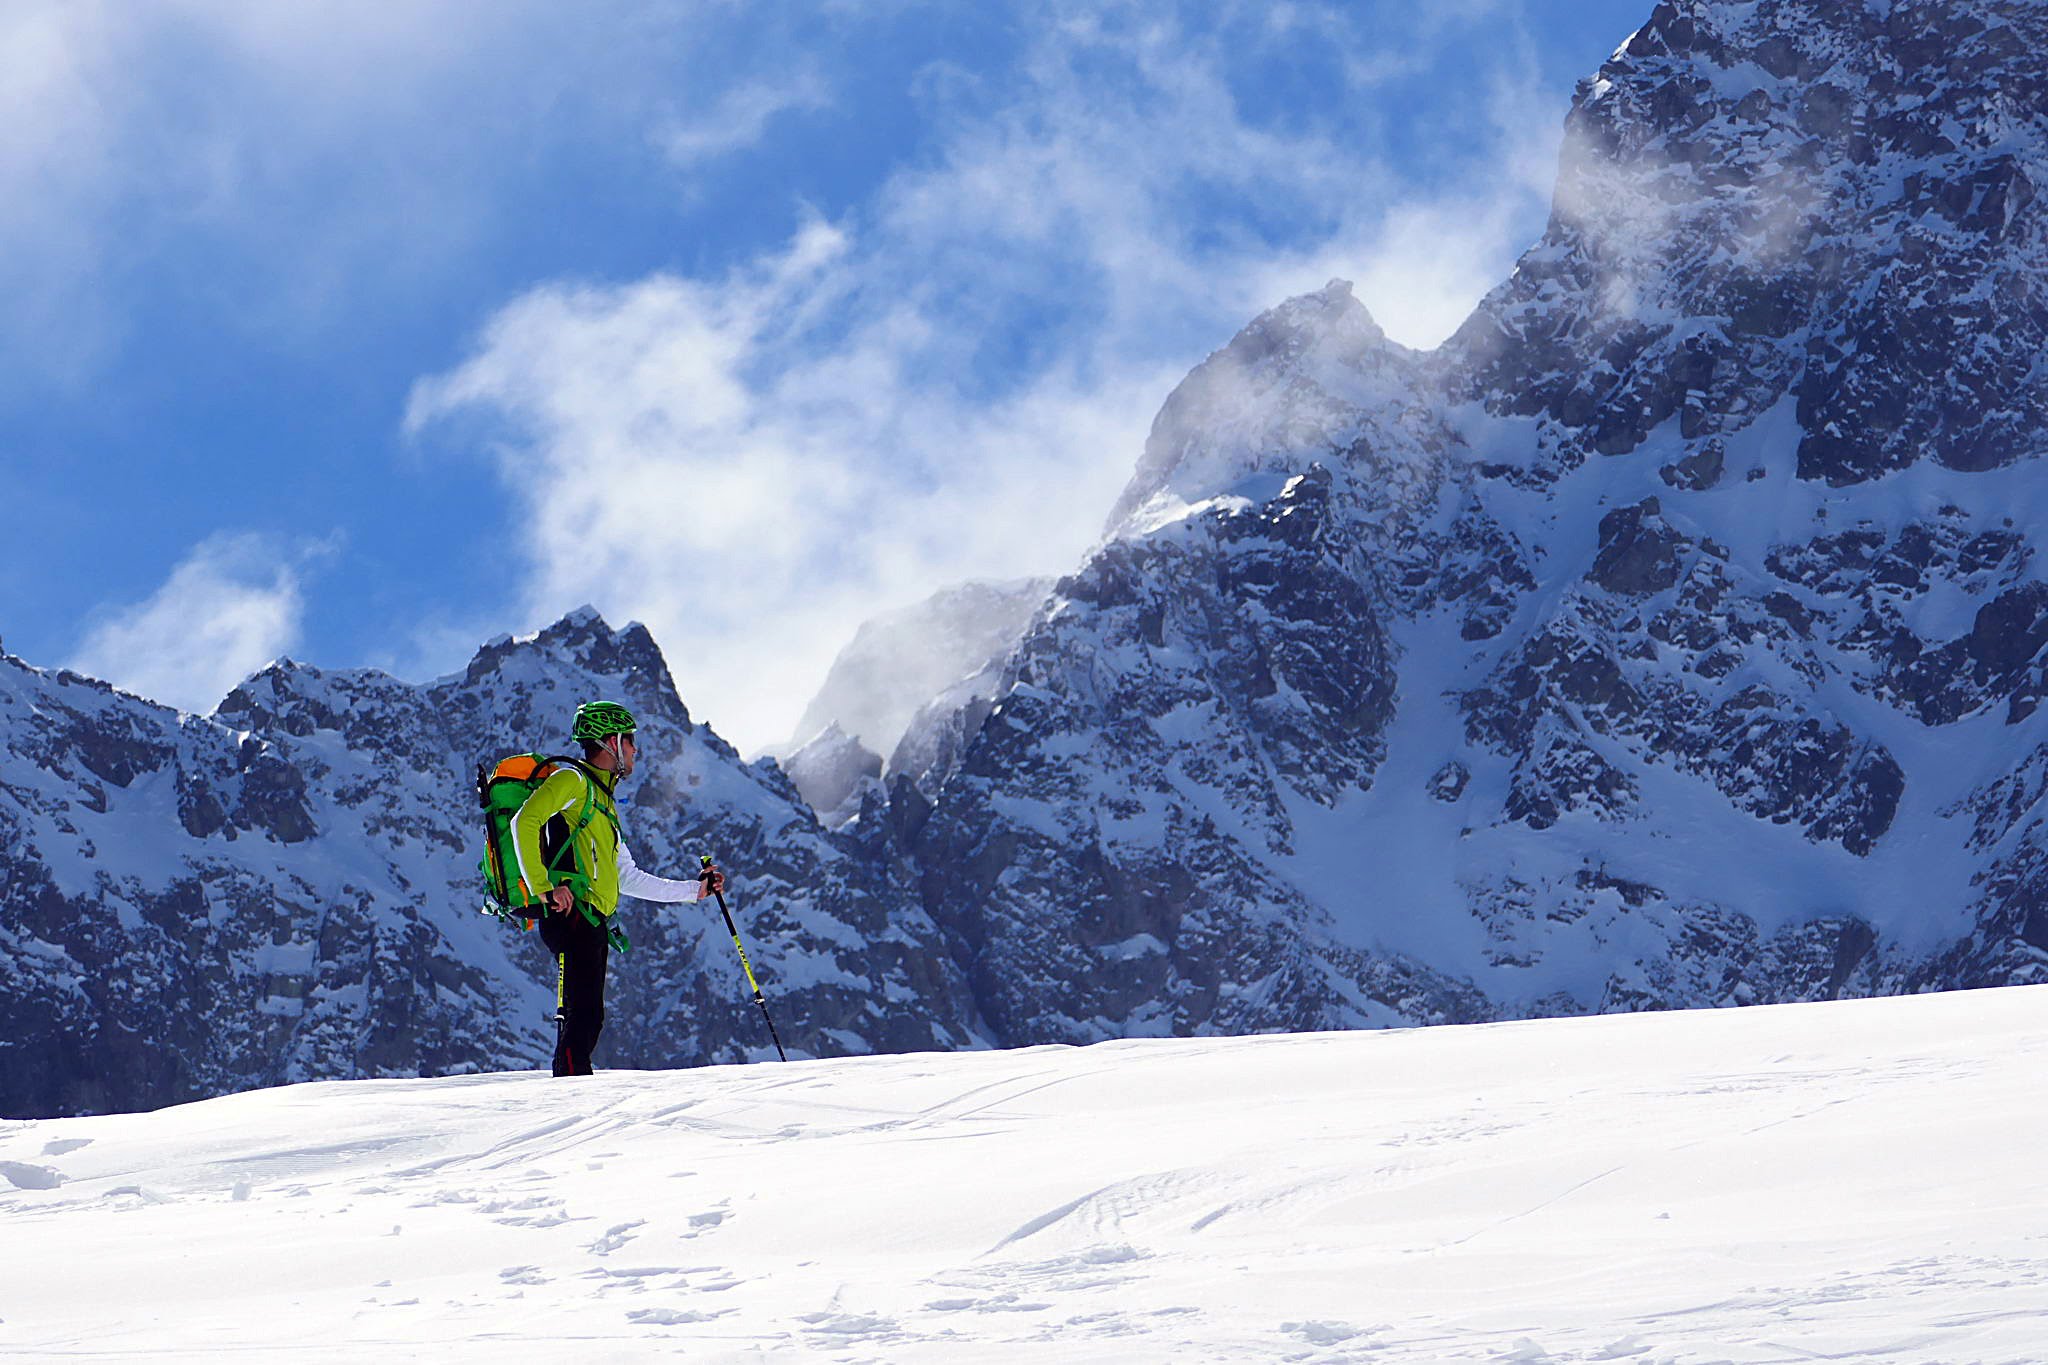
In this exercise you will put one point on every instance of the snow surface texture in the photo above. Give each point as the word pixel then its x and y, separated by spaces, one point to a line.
pixel 1836 1181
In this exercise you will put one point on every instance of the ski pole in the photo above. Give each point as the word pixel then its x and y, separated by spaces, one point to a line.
pixel 745 966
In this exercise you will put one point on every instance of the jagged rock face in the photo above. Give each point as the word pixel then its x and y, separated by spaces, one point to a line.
pixel 287 890
pixel 1827 205
pixel 1795 248
pixel 1684 603
pixel 1100 849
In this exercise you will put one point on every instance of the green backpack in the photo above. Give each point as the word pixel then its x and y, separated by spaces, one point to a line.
pixel 501 791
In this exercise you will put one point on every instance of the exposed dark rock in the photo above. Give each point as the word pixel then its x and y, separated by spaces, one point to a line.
pixel 1449 782
pixel 1698 471
pixel 1639 552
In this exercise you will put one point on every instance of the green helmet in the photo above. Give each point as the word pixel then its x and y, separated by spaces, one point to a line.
pixel 599 720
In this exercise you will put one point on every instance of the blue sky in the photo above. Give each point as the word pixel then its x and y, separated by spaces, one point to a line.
pixel 365 333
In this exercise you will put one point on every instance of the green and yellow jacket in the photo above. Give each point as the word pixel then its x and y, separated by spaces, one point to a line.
pixel 599 852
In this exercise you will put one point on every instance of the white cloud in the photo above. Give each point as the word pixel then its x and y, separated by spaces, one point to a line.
pixel 298 160
pixel 54 184
pixel 755 463
pixel 753 505
pixel 231 607
pixel 1427 257
pixel 739 117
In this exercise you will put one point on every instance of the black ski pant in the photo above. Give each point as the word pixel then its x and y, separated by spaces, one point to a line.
pixel 580 950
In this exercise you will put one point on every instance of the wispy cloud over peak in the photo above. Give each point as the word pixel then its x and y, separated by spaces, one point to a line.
pixel 758 460
pixel 230 607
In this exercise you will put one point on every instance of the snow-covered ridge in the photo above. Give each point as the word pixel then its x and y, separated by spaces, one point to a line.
pixel 1836 1181
pixel 939 649
pixel 1304 379
pixel 287 889
pixel 1672 635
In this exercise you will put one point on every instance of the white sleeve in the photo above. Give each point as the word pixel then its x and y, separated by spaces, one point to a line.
pixel 648 887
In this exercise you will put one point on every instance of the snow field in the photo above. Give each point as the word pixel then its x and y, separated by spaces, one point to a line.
pixel 1855 1181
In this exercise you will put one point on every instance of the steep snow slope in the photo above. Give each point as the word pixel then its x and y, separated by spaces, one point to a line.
pixel 1837 1181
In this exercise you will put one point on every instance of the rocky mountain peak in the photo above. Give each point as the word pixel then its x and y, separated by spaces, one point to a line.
pixel 583 641
pixel 1296 379
pixel 1828 205
pixel 832 773
pixel 1577 684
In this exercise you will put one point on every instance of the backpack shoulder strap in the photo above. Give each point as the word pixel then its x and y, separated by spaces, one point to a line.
pixel 567 850
pixel 590 784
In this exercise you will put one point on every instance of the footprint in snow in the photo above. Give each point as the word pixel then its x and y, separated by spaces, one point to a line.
pixel 24 1176
pixel 671 1317
pixel 701 1223
pixel 634 1275
pixel 1320 1333
pixel 537 1212
pixel 59 1146
pixel 615 1237
pixel 1003 1302
pixel 847 1324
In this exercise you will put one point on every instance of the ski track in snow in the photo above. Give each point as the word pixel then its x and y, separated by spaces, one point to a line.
pixel 1849 1181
